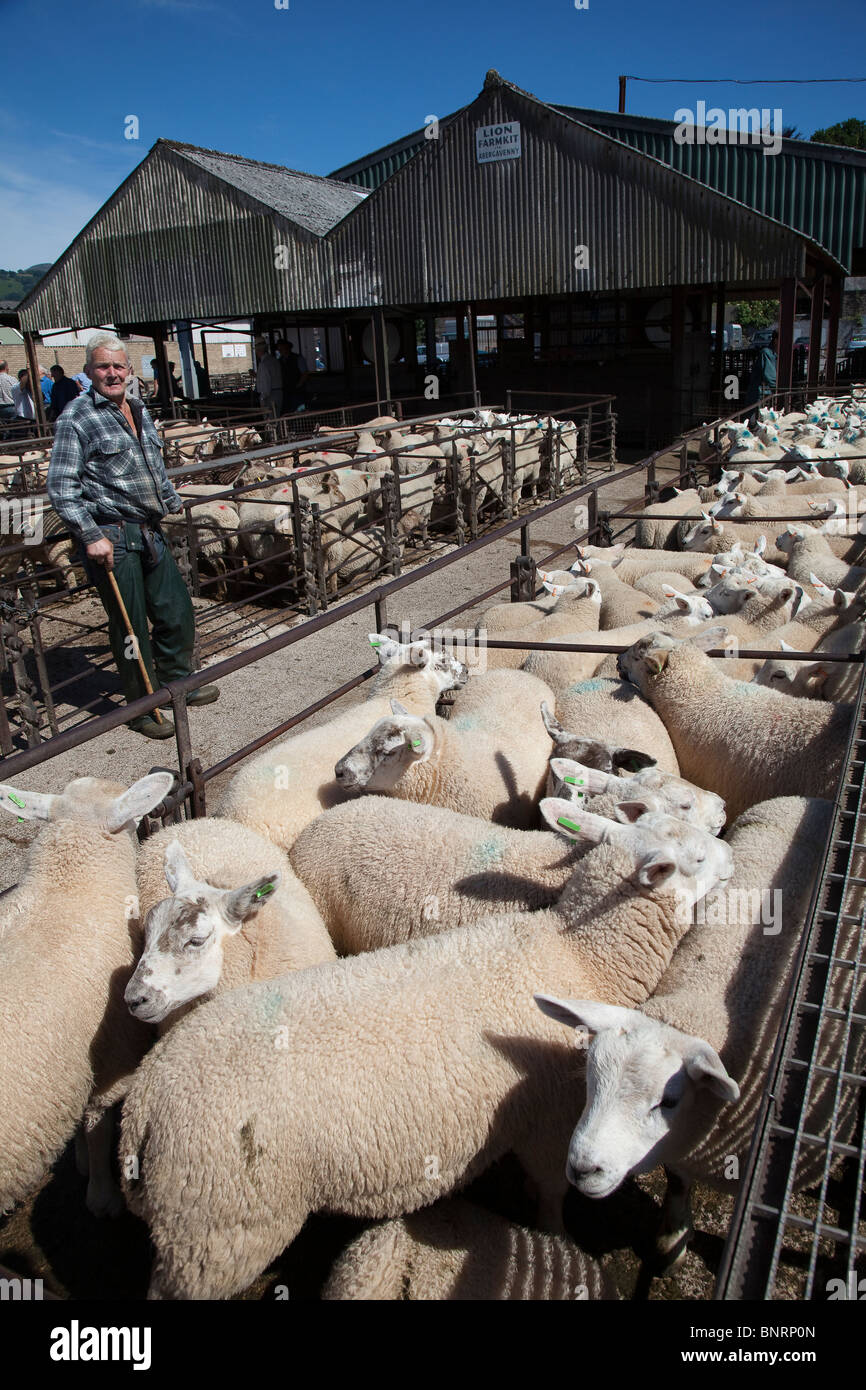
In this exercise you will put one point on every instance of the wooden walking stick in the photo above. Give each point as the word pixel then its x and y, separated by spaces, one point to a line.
pixel 145 677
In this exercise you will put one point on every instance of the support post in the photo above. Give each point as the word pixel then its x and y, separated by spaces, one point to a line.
pixel 785 351
pixel 835 308
pixel 816 328
pixel 35 384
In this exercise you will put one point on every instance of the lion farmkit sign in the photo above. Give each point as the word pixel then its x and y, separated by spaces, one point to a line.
pixel 497 142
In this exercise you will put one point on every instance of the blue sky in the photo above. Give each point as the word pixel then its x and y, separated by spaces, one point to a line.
pixel 325 81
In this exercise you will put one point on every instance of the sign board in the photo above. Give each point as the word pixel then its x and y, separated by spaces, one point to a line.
pixel 497 142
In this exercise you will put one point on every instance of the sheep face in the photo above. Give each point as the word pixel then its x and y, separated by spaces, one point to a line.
pixel 668 855
pixel 645 662
pixel 92 801
pixel 184 936
pixel 647 1087
pixel 672 795
pixel 382 757
pixel 446 672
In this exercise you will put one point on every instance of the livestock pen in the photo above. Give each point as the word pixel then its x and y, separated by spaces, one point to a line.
pixel 830 1217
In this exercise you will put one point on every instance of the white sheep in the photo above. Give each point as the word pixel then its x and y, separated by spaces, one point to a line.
pixel 66 953
pixel 457 1251
pixel 739 740
pixel 489 759
pixel 292 782
pixel 382 871
pixel 376 1084
pixel 810 552
pixel 657 1078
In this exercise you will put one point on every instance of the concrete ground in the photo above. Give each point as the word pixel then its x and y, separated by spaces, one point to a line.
pixel 52 1235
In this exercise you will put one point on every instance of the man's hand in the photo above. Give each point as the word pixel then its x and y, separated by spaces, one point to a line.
pixel 102 551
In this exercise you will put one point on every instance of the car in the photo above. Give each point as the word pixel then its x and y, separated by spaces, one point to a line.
pixel 762 337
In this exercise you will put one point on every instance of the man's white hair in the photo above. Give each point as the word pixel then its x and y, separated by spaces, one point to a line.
pixel 110 342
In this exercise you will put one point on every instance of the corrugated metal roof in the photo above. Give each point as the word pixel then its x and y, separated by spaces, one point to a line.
pixel 314 203
pixel 510 228
pixel 820 190
pixel 196 234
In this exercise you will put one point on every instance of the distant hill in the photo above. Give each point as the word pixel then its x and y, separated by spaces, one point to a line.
pixel 14 284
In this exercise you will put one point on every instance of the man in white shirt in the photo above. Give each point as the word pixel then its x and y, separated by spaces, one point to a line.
pixel 269 379
pixel 22 398
pixel 7 386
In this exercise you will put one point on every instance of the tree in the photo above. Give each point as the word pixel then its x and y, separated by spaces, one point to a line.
pixel 756 313
pixel 851 132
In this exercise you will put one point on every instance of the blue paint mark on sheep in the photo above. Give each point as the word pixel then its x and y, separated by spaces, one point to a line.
pixel 466 722
pixel 487 853
pixel 590 687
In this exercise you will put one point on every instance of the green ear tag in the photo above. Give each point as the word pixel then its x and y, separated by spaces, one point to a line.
pixel 263 892
pixel 567 824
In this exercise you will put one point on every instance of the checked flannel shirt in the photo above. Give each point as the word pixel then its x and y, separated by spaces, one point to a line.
pixel 99 468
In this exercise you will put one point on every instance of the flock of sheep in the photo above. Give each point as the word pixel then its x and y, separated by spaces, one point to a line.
pixel 363 968
pixel 254 525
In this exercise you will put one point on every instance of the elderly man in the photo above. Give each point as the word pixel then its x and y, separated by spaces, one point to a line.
pixel 107 480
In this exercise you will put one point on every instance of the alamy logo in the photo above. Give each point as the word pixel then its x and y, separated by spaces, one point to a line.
pixel 738 126
pixel 76 1343
pixel 22 516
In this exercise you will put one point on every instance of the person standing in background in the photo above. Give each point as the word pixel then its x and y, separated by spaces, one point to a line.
pixel 7 386
pixel 269 380
pixel 63 391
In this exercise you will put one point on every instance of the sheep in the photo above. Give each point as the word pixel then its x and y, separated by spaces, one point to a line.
pixel 741 741
pixel 292 782
pixel 809 552
pixel 257 1111
pixel 659 532
pixel 665 792
pixel 601 721
pixel 564 670
pixel 489 759
pixel 382 871
pixel 66 953
pixel 632 563
pixel 837 681
pixel 656 585
pixel 457 1251
pixel 657 1077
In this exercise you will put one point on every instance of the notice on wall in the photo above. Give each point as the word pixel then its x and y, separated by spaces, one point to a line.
pixel 497 142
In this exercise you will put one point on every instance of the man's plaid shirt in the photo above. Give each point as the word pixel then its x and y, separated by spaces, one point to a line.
pixel 99 468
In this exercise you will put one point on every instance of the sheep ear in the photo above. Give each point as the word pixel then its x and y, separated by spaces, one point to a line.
pixel 141 797
pixel 630 811
pixel 551 723
pixel 562 815
pixel 237 904
pixel 656 869
pixel 631 759
pixel 176 867
pixel 585 1013
pixel 704 1066
pixel 710 637
pixel 26 805
pixel 400 710
pixel 576 775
